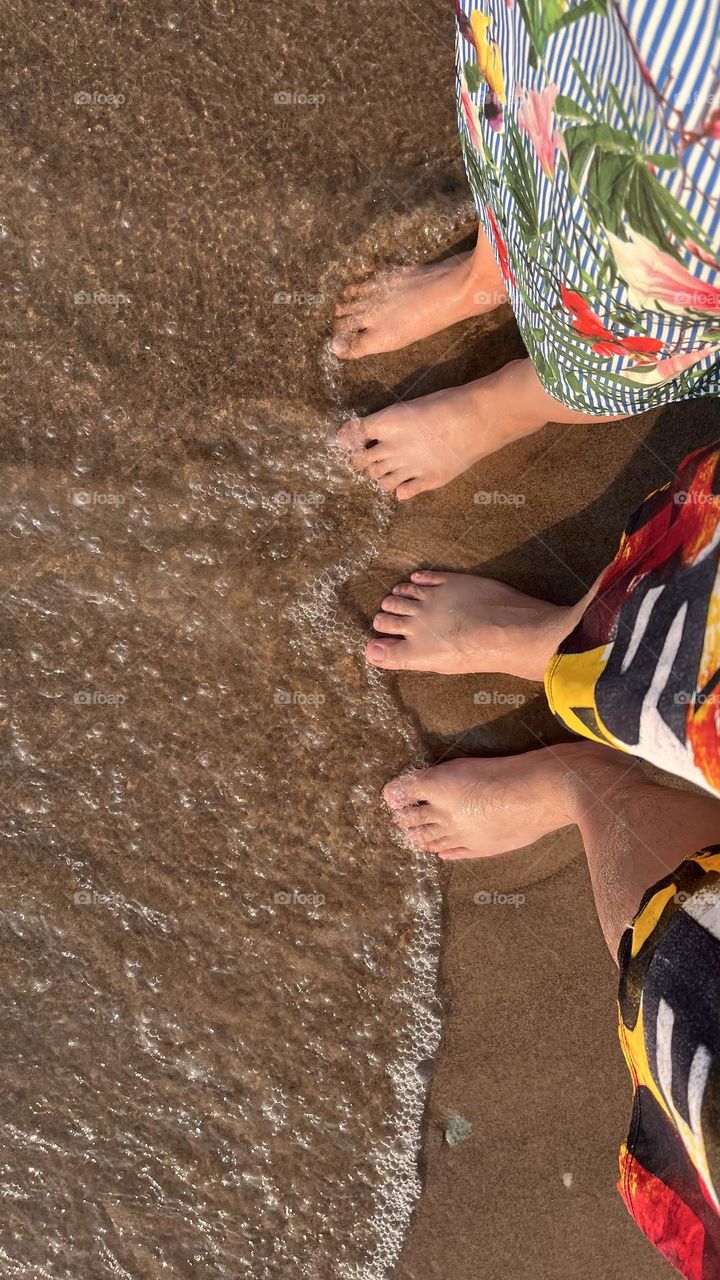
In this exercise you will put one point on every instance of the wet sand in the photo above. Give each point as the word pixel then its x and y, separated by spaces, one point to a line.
pixel 529 1054
pixel 218 970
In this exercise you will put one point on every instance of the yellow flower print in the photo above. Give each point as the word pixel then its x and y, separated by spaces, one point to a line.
pixel 488 54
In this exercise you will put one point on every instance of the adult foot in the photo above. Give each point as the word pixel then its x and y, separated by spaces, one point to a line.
pixel 475 808
pixel 395 308
pixel 454 623
pixel 422 444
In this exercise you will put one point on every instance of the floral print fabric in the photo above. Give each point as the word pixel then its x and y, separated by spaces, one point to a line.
pixel 591 137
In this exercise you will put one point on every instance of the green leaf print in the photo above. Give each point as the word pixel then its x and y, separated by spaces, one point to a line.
pixel 570 110
pixel 574 383
pixel 480 175
pixel 603 136
pixel 520 178
pixel 664 162
pixel 472 75
pixel 553 11
pixel 543 18
pixel 612 175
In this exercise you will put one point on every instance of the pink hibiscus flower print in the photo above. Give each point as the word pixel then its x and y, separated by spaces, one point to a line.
pixel 670 368
pixel 657 282
pixel 535 118
pixel 471 116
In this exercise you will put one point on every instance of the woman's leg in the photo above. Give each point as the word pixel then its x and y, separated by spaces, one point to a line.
pixel 614 282
pixel 391 310
pixel 417 445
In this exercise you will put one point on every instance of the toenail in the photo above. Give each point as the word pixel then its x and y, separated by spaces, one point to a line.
pixel 376 651
pixel 394 792
pixel 338 345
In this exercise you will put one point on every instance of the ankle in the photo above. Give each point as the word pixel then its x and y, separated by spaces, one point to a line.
pixel 556 622
pixel 506 398
pixel 484 287
pixel 597 778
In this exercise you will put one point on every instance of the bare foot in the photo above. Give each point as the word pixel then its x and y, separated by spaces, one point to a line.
pixel 454 623
pixel 477 808
pixel 421 444
pixel 398 307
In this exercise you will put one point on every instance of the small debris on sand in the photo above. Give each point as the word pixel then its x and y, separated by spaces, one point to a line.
pixel 457 1129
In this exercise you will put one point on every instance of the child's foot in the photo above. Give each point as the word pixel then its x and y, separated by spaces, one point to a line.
pixel 477 808
pixel 453 623
pixel 422 444
pixel 398 307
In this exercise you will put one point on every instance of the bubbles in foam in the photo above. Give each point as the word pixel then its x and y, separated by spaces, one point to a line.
pixel 317 616
pixel 398 1183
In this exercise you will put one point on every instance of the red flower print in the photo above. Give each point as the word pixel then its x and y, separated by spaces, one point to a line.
pixel 501 248
pixel 635 346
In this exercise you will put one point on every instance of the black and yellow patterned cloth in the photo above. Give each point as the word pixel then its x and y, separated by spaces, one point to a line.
pixel 641 670
pixel 669 1021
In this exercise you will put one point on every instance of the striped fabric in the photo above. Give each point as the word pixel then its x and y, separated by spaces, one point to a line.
pixel 561 104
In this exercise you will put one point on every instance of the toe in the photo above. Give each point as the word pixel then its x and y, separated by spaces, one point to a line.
pixel 396 604
pixel 352 345
pixel 392 480
pixel 372 461
pixel 349 316
pixel 426 837
pixel 428 577
pixel 406 790
pixel 354 306
pixel 390 624
pixel 442 842
pixel 408 590
pixel 428 786
pixel 415 815
pixel 380 471
pixel 352 435
pixel 410 489
pixel 354 290
pixel 455 854
pixel 391 654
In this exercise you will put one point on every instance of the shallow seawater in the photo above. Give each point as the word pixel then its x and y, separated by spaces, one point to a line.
pixel 205 929
pixel 218 970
